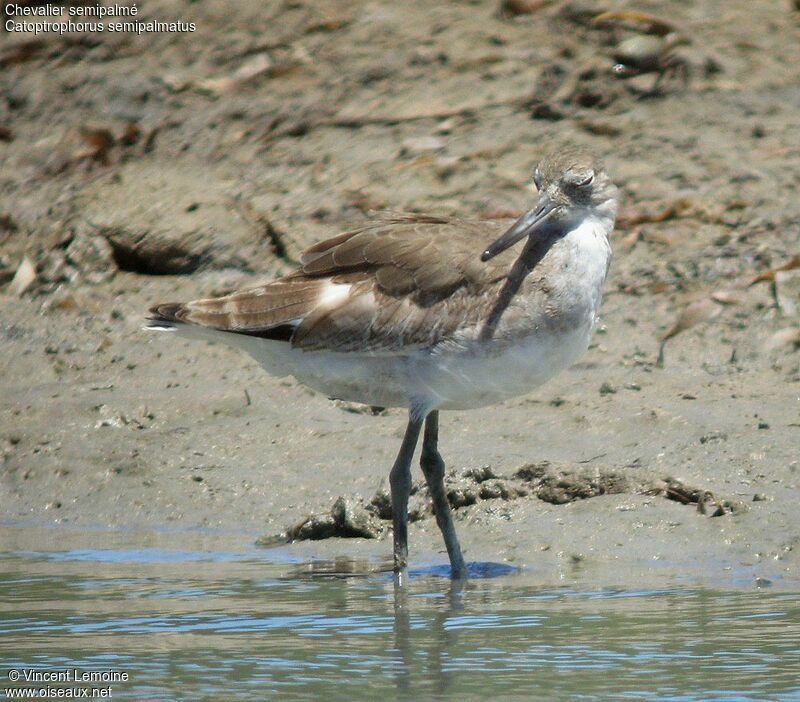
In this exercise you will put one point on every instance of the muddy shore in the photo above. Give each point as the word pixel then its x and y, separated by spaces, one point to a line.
pixel 137 169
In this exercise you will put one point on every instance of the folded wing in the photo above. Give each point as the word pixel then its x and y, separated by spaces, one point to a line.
pixel 401 283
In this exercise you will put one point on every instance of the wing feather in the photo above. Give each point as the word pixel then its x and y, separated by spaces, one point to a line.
pixel 390 286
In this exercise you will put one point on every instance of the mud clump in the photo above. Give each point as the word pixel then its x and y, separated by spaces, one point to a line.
pixel 348 518
pixel 704 499
pixel 560 486
pixel 554 484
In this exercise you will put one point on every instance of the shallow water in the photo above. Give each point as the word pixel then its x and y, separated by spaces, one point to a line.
pixel 230 624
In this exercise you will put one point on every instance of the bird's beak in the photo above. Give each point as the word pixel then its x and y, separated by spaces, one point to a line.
pixel 525 225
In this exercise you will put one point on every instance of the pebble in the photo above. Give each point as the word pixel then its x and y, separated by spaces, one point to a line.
pixel 414 146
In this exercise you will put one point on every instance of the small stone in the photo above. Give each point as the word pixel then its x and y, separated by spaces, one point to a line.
pixel 759 497
pixel 607 389
pixel 23 278
pixel 763 425
pixel 415 146
pixel 445 126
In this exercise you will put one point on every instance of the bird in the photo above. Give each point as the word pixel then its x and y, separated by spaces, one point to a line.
pixel 431 313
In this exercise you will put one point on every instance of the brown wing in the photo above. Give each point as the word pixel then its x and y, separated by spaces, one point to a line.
pixel 412 280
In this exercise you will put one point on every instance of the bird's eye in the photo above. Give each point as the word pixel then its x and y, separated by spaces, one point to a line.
pixel 583 182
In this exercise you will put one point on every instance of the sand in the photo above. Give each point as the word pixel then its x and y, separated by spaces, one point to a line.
pixel 139 169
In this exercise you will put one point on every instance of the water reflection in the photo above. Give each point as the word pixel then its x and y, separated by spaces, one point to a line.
pixel 205 624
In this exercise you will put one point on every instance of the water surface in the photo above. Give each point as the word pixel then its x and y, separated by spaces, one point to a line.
pixel 255 624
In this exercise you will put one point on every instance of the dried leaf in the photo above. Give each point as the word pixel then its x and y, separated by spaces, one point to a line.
pixel 631 239
pixel 97 138
pixel 655 287
pixel 637 21
pixel 785 337
pixel 513 8
pixel 131 133
pixel 728 297
pixel 674 210
pixel 175 82
pixel 700 311
pixel 253 67
pixel 791 264
pixel 61 302
pixel 329 25
pixel 413 146
pixel 99 142
pixel 23 278
pixel 657 237
pixel 600 128
pixel 658 287
pixel 501 214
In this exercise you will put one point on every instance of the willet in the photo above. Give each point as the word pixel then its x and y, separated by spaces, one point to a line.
pixel 415 311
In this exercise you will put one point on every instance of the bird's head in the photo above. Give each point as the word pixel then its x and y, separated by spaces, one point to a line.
pixel 572 187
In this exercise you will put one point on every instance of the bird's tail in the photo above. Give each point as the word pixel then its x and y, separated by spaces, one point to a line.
pixel 165 316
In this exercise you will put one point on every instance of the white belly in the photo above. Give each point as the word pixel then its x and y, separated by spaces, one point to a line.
pixel 470 381
pixel 457 379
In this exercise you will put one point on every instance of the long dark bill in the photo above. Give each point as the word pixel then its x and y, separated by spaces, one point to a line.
pixel 525 225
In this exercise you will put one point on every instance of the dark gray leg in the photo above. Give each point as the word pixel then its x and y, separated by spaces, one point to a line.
pixel 433 468
pixel 400 484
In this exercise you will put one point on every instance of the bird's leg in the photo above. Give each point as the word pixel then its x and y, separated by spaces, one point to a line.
pixel 400 483
pixel 433 468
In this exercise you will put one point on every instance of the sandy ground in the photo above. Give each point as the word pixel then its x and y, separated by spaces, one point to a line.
pixel 170 166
